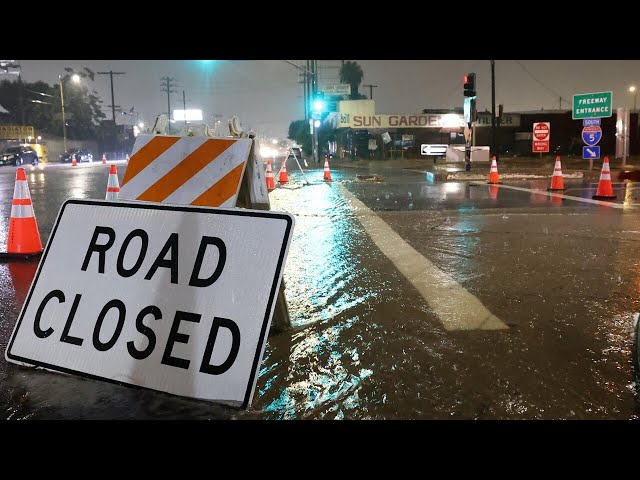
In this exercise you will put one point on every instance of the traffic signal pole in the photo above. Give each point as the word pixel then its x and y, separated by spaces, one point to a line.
pixel 470 93
pixel 493 109
pixel 314 90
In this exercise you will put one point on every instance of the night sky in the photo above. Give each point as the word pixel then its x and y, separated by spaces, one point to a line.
pixel 266 95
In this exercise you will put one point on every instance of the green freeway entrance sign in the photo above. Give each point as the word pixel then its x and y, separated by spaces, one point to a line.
pixel 592 105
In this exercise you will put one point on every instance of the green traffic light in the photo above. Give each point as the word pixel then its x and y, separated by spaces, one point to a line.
pixel 318 105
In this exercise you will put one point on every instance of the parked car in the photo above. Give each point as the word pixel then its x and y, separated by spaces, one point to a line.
pixel 82 155
pixel 19 155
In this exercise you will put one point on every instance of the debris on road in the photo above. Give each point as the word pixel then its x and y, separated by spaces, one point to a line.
pixel 370 178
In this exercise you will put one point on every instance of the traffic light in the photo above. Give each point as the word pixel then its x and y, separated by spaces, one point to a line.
pixel 470 85
pixel 318 105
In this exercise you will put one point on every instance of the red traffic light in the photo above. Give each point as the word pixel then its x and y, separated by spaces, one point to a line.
pixel 470 85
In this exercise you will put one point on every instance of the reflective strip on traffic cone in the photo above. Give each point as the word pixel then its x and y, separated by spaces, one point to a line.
pixel 104 159
pixel 113 187
pixel 270 182
pixel 22 274
pixel 327 172
pixel 557 183
pixel 605 188
pixel 24 238
pixel 74 162
pixel 493 174
pixel 284 176
pixel 126 157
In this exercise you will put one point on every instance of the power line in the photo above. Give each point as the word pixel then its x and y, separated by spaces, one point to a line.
pixel 548 88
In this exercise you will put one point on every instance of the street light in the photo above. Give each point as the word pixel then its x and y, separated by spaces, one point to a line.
pixel 75 78
pixel 634 90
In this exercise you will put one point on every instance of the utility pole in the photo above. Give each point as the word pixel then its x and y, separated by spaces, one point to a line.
pixel 21 98
pixel 184 106
pixel 111 73
pixel 493 109
pixel 167 84
pixel 303 81
pixel 64 120
pixel 314 90
pixel 309 80
pixel 371 87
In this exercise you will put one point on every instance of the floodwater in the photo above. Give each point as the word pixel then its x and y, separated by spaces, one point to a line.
pixel 562 275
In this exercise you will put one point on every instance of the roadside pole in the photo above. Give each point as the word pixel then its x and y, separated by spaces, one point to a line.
pixel 469 110
pixel 493 110
pixel 315 140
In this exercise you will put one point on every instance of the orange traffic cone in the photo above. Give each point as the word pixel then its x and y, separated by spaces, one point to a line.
pixel 605 189
pixel 24 238
pixel 74 162
pixel 270 182
pixel 327 172
pixel 493 174
pixel 126 157
pixel 284 176
pixel 557 183
pixel 113 187
pixel 104 159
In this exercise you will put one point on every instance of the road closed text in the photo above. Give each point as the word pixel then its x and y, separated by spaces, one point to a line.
pixel 173 298
pixel 111 317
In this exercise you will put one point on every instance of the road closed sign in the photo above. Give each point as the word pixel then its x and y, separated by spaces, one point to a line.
pixel 177 299
pixel 541 135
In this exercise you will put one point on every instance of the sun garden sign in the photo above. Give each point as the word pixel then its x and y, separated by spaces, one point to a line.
pixel 592 105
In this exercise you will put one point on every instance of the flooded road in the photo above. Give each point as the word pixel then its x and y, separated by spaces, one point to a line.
pixel 385 282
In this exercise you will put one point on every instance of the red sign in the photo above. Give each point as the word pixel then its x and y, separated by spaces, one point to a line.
pixel 541 130
pixel 541 147
pixel 541 133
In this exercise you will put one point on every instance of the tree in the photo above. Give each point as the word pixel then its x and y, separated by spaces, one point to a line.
pixel 42 106
pixel 82 107
pixel 299 133
pixel 352 74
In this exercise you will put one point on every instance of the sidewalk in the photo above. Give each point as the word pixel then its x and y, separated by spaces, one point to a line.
pixel 511 167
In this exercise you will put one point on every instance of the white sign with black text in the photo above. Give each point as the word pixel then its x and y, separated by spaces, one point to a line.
pixel 172 298
pixel 433 149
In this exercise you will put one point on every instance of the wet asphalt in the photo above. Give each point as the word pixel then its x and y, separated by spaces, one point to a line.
pixel 563 275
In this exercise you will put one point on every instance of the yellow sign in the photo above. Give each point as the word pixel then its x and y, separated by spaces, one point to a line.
pixel 449 120
pixel 15 132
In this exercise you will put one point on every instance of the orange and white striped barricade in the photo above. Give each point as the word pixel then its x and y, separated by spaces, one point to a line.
pixel 186 170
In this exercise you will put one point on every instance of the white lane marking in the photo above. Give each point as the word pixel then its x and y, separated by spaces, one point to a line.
pixel 456 308
pixel 560 195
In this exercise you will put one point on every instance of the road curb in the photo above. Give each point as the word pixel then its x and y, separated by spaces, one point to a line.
pixel 513 176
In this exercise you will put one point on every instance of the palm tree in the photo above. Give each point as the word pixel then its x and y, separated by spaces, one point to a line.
pixel 351 73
